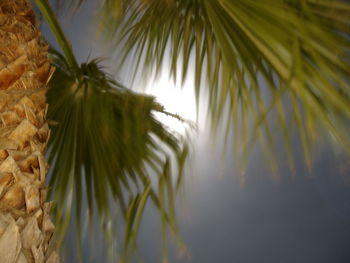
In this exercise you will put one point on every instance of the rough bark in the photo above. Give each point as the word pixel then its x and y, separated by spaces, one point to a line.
pixel 25 226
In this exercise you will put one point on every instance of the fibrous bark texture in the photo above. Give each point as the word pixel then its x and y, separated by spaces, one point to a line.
pixel 25 226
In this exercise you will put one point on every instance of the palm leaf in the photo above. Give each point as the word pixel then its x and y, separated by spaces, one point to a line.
pixel 250 56
pixel 105 146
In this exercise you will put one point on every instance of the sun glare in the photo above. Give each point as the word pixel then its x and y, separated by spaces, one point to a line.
pixel 176 99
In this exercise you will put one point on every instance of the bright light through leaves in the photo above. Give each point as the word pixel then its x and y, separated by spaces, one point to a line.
pixel 177 99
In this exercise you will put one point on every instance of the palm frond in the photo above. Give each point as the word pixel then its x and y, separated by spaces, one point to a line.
pixel 251 56
pixel 107 151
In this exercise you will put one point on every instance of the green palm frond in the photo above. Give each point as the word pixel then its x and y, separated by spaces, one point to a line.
pixel 107 151
pixel 255 59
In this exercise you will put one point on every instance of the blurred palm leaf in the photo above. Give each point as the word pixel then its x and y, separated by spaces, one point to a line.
pixel 107 151
pixel 286 59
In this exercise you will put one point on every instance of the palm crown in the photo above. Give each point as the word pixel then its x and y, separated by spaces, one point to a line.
pixel 285 59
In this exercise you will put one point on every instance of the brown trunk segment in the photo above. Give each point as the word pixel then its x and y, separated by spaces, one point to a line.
pixel 25 226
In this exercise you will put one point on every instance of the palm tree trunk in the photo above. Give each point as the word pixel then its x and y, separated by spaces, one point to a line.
pixel 25 227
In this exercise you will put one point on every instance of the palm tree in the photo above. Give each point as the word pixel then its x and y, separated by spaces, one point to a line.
pixel 104 111
pixel 89 109
pixel 288 59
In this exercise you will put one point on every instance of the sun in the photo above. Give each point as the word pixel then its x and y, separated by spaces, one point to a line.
pixel 176 99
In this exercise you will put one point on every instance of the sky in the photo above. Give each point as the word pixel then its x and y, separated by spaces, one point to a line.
pixel 303 218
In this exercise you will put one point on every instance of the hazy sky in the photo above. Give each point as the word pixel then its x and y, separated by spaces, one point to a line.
pixel 300 219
